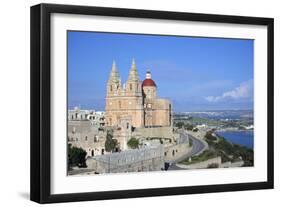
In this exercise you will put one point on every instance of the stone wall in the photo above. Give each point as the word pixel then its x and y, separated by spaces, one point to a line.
pixel 216 160
pixel 165 132
pixel 202 165
pixel 139 160
pixel 174 152
pixel 232 164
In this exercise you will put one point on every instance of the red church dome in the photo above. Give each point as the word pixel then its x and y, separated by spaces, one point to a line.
pixel 148 82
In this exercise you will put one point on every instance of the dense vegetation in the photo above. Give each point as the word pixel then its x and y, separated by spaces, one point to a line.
pixel 196 121
pixel 110 143
pixel 219 146
pixel 184 125
pixel 76 156
pixel 133 143
pixel 228 151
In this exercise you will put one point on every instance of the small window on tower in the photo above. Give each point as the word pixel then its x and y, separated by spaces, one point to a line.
pixel 120 104
pixel 131 87
pixel 111 88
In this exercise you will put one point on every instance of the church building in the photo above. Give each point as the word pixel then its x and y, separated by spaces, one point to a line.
pixel 135 103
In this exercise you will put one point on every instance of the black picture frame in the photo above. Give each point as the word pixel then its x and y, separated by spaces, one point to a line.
pixel 41 98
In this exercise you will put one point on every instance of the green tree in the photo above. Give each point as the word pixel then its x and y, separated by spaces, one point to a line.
pixel 209 136
pixel 195 130
pixel 133 143
pixel 188 126
pixel 110 143
pixel 76 156
pixel 180 124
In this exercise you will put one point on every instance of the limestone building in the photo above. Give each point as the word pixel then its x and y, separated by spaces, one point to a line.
pixel 136 101
pixel 95 117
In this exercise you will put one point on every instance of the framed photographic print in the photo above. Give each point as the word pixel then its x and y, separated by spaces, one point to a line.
pixel 132 103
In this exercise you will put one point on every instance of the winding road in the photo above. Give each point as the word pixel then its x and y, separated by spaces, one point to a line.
pixel 197 146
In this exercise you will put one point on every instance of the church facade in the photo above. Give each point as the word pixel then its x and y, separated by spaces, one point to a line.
pixel 135 103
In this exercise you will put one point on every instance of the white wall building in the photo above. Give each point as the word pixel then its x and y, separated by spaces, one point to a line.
pixel 95 117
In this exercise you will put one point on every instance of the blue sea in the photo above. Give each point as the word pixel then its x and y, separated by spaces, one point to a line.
pixel 244 138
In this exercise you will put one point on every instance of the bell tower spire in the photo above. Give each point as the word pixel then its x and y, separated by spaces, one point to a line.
pixel 133 74
pixel 114 81
pixel 133 84
pixel 114 75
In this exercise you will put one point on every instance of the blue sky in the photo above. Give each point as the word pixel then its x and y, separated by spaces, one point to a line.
pixel 194 73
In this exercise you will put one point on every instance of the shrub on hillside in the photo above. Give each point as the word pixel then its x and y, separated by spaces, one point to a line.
pixel 76 156
pixel 209 136
pixel 133 143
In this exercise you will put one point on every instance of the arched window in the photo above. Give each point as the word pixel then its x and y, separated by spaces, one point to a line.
pixel 131 87
pixel 119 104
pixel 111 88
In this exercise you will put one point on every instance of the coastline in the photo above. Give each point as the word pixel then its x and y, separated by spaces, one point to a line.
pixel 233 130
pixel 243 138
